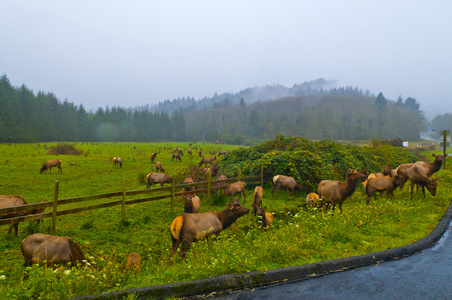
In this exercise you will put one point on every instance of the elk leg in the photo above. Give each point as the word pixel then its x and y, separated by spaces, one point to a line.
pixel 183 249
pixel 423 191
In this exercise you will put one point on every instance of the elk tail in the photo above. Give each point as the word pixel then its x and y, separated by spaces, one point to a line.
pixel 176 226
pixel 365 184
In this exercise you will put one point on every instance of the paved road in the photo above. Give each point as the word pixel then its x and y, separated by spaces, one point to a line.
pixel 426 275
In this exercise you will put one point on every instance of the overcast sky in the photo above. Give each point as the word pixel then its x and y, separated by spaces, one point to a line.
pixel 131 53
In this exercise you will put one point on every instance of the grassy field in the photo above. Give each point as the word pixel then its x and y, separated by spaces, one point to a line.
pixel 299 236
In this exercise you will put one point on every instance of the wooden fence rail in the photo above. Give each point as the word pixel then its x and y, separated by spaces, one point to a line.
pixel 200 187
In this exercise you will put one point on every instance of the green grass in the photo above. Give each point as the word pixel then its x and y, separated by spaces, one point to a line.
pixel 300 235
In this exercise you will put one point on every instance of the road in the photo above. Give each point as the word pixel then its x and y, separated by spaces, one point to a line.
pixel 425 275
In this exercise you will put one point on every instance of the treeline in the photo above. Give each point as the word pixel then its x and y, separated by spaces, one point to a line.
pixel 347 117
pixel 343 113
pixel 26 117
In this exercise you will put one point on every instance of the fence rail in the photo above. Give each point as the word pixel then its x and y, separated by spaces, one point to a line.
pixel 201 187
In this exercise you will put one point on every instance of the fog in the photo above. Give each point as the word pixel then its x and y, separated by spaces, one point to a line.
pixel 133 53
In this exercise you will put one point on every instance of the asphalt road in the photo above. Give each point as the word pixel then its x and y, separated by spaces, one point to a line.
pixel 425 275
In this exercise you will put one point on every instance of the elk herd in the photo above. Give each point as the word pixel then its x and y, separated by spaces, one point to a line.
pixel 194 225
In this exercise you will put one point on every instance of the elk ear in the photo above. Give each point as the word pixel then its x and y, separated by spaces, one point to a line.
pixel 433 154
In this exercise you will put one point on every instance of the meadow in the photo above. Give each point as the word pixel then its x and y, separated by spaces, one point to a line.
pixel 299 235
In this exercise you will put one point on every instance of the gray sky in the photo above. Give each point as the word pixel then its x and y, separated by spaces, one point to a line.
pixel 130 53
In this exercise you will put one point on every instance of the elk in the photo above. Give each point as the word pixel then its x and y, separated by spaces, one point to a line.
pixel 217 185
pixel 192 204
pixel 161 178
pixel 257 199
pixel 335 192
pixel 7 201
pixel 312 199
pixel 267 218
pixel 236 187
pixel 117 160
pixel 153 156
pixel 429 168
pixel 158 167
pixel 207 160
pixel 48 165
pixel 287 182
pixel 222 152
pixel 189 228
pixel 50 250
pixel 176 156
pixel 189 180
pixel 418 174
pixel 382 184
pixel 189 152
pixel 200 153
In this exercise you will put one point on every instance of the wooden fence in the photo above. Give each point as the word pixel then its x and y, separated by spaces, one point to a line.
pixel 200 187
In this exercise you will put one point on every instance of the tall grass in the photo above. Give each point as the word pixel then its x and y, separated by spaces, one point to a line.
pixel 300 235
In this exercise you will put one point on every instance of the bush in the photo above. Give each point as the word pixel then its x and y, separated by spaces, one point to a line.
pixel 64 149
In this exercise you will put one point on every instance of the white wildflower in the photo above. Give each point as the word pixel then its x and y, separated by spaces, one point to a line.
pixel 2 277
pixel 67 272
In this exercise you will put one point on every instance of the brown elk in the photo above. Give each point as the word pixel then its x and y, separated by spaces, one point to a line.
pixel 236 187
pixel 189 152
pixel 117 160
pixel 179 151
pixel 222 152
pixel 312 199
pixel 158 167
pixel 190 228
pixel 200 153
pixel 189 180
pixel 133 261
pixel 176 156
pixel 257 199
pixel 418 174
pixel 50 250
pixel 217 185
pixel 267 218
pixel 207 160
pixel 192 204
pixel 161 178
pixel 430 168
pixel 382 184
pixel 287 182
pixel 48 165
pixel 7 201
pixel 153 156
pixel 335 192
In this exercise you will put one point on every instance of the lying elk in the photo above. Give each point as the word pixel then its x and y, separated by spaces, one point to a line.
pixel 190 228
pixel 117 160
pixel 48 165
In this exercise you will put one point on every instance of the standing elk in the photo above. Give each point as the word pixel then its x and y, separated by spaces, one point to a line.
pixel 418 174
pixel 161 178
pixel 7 201
pixel 48 165
pixel 153 156
pixel 382 184
pixel 257 199
pixel 236 187
pixel 117 160
pixel 335 192
pixel 190 228
pixel 176 156
pixel 207 160
pixel 200 153
pixel 287 182
pixel 50 250
pixel 158 167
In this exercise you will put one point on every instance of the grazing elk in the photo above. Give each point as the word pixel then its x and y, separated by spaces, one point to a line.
pixel 179 151
pixel 189 152
pixel 161 178
pixel 7 201
pixel 222 153
pixel 236 187
pixel 267 218
pixel 430 168
pixel 335 192
pixel 418 174
pixel 158 167
pixel 50 250
pixel 190 228
pixel 257 199
pixel 117 160
pixel 382 184
pixel 176 156
pixel 153 156
pixel 207 160
pixel 48 165
pixel 192 204
pixel 287 182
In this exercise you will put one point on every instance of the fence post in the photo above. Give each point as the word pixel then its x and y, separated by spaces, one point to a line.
pixel 123 204
pixel 172 195
pixel 262 175
pixel 208 184
pixel 55 204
